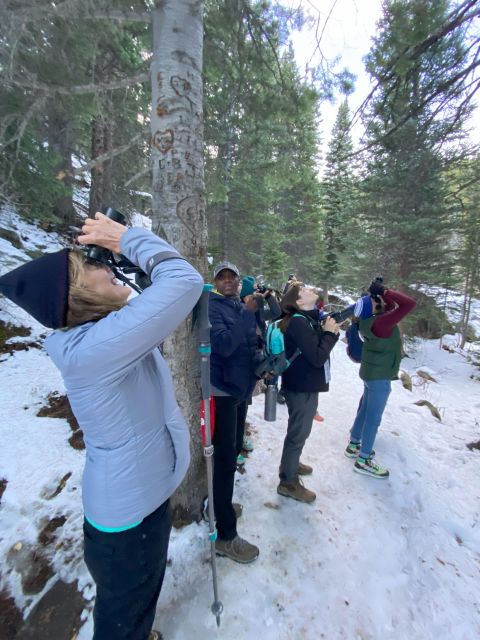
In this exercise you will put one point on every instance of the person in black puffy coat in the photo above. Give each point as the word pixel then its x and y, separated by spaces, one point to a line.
pixel 308 374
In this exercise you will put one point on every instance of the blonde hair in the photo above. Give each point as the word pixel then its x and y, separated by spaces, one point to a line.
pixel 85 305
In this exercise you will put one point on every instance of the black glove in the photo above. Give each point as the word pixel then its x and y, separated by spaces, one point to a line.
pixel 376 288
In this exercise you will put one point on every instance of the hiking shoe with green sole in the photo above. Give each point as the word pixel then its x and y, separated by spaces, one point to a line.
pixel 296 490
pixel 370 468
pixel 240 460
pixel 353 450
pixel 247 444
pixel 304 469
pixel 237 549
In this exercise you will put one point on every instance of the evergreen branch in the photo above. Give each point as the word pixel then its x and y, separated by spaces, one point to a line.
pixel 52 90
pixel 99 160
pixel 32 12
pixel 456 19
pixel 319 39
pixel 121 16
pixel 251 19
pixel 139 174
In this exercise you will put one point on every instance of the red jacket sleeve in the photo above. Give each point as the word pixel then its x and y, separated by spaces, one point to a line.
pixel 398 305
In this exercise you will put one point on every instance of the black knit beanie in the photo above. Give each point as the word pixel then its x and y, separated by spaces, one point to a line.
pixel 41 288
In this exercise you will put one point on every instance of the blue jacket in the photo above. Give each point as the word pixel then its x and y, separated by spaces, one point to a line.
pixel 121 392
pixel 234 344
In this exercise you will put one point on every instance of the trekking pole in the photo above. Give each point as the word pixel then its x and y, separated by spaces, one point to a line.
pixel 204 349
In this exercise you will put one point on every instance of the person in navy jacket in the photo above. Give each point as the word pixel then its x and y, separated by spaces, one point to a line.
pixel 234 349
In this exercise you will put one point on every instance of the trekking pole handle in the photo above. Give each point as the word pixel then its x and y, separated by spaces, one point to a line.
pixel 204 348
pixel 203 321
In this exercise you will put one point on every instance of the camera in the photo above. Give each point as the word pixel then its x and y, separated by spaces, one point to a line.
pixel 341 316
pixel 377 289
pixel 261 286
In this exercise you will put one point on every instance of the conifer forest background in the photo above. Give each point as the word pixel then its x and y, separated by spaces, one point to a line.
pixel 280 194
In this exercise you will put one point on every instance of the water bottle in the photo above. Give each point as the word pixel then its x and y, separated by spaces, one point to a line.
pixel 270 412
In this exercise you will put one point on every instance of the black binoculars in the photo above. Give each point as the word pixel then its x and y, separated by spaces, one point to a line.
pixel 120 265
pixel 99 254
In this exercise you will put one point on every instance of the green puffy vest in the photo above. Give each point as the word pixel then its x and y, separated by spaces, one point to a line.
pixel 380 356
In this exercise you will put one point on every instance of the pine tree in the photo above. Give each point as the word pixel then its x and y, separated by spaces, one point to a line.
pixel 404 213
pixel 338 188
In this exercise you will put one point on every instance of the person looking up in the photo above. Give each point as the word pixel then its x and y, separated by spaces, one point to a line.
pixel 307 375
pixel 379 314
pixel 121 392
pixel 234 349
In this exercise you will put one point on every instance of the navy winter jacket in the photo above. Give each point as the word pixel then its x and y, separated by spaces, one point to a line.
pixel 234 342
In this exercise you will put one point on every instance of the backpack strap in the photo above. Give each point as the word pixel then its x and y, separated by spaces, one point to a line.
pixel 298 352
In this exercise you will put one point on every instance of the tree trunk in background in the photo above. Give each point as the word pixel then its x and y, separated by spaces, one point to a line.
pixel 101 181
pixel 59 141
pixel 225 255
pixel 178 201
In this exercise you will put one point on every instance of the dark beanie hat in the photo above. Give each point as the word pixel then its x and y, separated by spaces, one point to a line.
pixel 247 286
pixel 41 288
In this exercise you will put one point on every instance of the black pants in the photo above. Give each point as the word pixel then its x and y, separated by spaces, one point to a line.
pixel 128 569
pixel 230 414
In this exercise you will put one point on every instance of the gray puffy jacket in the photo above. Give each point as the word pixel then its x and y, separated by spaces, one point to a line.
pixel 121 392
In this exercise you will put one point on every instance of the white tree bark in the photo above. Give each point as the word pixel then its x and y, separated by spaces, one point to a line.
pixel 178 197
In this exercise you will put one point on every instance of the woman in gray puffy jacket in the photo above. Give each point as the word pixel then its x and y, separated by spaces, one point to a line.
pixel 121 392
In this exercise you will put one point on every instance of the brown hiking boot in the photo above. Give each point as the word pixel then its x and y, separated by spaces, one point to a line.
pixel 237 549
pixel 296 490
pixel 304 469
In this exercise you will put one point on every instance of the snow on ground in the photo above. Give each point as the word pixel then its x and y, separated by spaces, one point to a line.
pixel 368 560
pixel 453 301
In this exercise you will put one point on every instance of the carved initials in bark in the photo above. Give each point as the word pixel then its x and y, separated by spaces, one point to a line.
pixel 189 209
pixel 163 140
pixel 182 88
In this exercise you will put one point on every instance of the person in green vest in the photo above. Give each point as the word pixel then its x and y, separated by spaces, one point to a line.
pixel 379 314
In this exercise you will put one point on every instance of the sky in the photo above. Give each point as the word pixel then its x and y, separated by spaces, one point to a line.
pixel 395 559
pixel 348 31
pixel 350 24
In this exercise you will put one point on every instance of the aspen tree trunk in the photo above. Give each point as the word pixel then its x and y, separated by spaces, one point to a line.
pixel 178 201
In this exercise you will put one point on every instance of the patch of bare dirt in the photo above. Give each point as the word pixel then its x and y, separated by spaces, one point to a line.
pixel 10 617
pixel 31 564
pixel 48 534
pixel 59 488
pixel 3 486
pixel 57 615
pixel 8 331
pixel 59 407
